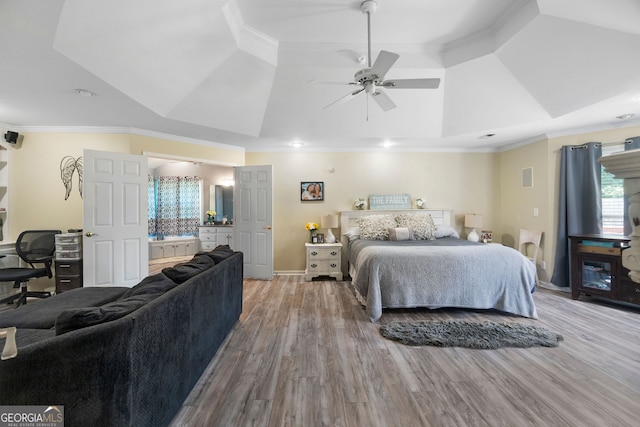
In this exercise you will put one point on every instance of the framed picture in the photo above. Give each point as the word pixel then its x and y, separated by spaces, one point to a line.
pixel 311 191
pixel 486 236
pixel 320 237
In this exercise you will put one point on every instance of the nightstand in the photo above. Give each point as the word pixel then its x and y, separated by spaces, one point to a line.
pixel 323 259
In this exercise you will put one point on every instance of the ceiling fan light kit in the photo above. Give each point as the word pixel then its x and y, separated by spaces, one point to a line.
pixel 371 79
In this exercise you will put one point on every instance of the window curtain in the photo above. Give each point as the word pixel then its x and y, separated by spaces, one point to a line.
pixel 629 144
pixel 151 213
pixel 580 203
pixel 176 205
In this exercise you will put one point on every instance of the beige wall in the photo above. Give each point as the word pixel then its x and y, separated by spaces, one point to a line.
pixel 518 203
pixel 466 183
pixel 36 192
pixel 485 183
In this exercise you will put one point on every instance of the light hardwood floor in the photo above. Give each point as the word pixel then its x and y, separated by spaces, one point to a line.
pixel 304 354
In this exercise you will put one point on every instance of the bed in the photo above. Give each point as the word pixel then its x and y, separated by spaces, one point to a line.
pixel 435 269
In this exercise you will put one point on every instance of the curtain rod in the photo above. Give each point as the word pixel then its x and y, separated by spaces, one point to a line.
pixel 604 144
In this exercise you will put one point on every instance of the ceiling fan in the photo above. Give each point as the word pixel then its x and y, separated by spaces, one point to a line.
pixel 371 80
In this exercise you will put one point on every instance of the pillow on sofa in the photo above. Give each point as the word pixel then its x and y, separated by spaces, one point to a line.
pixel 156 284
pixel 184 271
pixel 70 320
pixel 220 253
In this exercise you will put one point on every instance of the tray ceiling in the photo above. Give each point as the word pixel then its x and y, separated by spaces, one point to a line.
pixel 239 72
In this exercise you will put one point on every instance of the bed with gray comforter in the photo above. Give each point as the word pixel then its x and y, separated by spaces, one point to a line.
pixel 445 272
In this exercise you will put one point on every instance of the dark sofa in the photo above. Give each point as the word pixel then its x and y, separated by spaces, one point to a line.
pixel 124 357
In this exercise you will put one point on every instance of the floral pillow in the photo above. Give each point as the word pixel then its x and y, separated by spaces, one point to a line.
pixel 375 227
pixel 422 225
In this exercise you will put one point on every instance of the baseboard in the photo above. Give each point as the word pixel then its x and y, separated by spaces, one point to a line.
pixel 551 286
pixel 288 272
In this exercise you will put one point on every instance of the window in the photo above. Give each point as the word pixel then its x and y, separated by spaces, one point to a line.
pixel 174 205
pixel 612 198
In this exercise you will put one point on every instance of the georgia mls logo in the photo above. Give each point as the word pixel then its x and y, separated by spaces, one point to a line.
pixel 32 416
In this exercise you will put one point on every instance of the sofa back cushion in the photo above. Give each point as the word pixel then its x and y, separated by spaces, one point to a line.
pixel 70 320
pixel 184 271
pixel 220 253
pixel 156 284
pixel 148 289
pixel 42 314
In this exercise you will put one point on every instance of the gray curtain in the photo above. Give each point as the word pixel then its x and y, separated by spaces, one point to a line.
pixel 629 144
pixel 580 204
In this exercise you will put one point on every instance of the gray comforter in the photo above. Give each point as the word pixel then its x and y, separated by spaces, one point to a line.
pixel 445 272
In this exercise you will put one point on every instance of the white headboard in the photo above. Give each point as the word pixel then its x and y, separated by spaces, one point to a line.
pixel 349 219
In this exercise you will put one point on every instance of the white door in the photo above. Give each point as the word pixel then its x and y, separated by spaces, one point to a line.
pixel 253 216
pixel 115 226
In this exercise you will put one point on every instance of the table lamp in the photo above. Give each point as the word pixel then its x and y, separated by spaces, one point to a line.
pixel 473 221
pixel 329 222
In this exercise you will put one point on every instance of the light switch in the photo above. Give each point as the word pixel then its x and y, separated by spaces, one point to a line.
pixel 535 211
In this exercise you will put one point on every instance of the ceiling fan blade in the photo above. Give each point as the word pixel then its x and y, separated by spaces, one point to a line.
pixel 329 82
pixel 383 100
pixel 344 99
pixel 411 84
pixel 384 62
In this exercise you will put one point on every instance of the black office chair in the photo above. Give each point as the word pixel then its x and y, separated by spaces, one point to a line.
pixel 33 247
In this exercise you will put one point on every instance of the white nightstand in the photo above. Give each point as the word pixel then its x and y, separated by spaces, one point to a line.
pixel 323 259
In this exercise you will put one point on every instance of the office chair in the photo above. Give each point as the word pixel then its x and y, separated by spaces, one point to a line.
pixel 33 247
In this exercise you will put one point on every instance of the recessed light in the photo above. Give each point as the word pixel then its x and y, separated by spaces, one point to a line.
pixel 386 144
pixel 625 116
pixel 296 144
pixel 487 135
pixel 84 92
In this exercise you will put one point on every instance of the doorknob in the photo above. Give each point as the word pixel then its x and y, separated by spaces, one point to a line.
pixel 90 234
pixel 268 227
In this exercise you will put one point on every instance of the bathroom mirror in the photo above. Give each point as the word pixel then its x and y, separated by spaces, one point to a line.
pixel 221 201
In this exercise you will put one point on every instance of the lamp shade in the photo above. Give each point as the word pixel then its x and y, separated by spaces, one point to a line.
pixel 473 221
pixel 329 221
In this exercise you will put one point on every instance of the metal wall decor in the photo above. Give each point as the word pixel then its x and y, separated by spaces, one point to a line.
pixel 69 165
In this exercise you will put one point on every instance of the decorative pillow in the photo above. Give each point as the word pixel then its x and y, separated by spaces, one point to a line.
pixel 422 224
pixel 398 233
pixel 446 231
pixel 375 227
pixel 70 320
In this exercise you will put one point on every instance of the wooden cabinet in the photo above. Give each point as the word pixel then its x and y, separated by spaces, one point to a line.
pixel 172 248
pixel 323 259
pixel 596 268
pixel 208 238
pixel 212 236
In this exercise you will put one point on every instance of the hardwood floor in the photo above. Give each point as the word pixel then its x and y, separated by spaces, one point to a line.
pixel 304 354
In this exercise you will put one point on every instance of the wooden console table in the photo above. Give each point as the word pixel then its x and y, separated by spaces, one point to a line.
pixel 597 270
